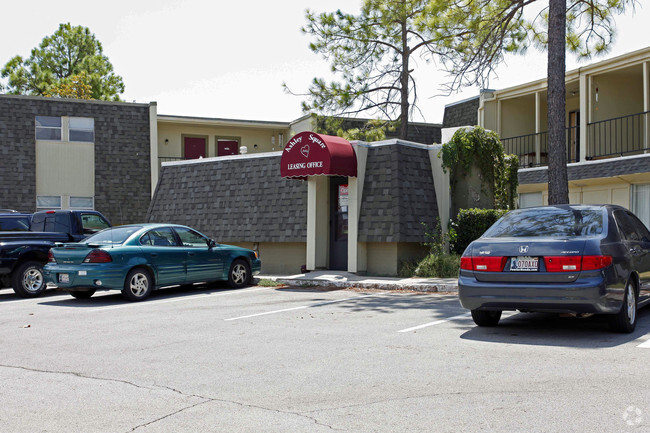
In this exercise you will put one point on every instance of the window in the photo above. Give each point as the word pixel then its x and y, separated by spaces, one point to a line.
pixel 625 226
pixel 45 202
pixel 161 237
pixel 641 229
pixel 549 222
pixel 82 129
pixel 190 238
pixel 48 128
pixel 640 202
pixel 114 235
pixel 79 129
pixel 81 203
pixel 93 223
pixel 530 199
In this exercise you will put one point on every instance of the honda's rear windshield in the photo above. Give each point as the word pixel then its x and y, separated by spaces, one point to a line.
pixel 113 236
pixel 549 222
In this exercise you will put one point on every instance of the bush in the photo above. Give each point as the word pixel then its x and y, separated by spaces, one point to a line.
pixel 438 263
pixel 470 224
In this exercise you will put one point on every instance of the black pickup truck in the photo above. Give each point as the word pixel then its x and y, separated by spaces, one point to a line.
pixel 24 253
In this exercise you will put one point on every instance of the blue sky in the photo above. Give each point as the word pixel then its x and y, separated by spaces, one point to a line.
pixel 229 59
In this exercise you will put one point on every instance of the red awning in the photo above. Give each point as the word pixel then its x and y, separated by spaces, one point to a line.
pixel 311 154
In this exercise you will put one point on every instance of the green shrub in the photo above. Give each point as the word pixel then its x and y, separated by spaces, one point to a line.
pixel 470 224
pixel 438 266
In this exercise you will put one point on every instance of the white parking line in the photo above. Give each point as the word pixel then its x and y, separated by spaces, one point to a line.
pixel 437 322
pixel 504 315
pixel 181 298
pixel 302 307
pixel 645 344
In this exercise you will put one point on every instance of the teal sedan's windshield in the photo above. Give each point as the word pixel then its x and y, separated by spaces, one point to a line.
pixel 549 222
pixel 113 236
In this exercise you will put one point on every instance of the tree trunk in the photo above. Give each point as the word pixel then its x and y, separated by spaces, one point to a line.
pixel 558 187
pixel 404 86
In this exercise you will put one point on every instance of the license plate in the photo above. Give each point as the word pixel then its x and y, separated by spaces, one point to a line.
pixel 524 264
pixel 64 278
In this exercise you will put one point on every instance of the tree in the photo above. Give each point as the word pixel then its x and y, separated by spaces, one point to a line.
pixel 477 33
pixel 70 51
pixel 370 130
pixel 373 52
pixel 76 86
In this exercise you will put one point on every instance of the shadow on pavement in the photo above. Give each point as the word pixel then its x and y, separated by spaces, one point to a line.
pixel 538 329
pixel 104 298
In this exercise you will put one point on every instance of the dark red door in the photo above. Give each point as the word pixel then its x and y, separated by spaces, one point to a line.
pixel 227 147
pixel 194 147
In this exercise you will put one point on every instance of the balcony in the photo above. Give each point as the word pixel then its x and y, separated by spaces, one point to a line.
pixel 162 159
pixel 620 136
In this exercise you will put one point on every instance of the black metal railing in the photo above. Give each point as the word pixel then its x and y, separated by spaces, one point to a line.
pixel 170 158
pixel 625 135
pixel 524 146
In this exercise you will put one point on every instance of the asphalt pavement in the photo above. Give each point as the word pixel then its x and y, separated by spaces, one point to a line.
pixel 311 359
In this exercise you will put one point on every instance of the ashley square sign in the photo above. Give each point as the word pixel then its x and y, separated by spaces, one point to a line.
pixel 311 154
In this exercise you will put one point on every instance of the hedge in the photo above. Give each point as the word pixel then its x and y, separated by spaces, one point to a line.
pixel 470 224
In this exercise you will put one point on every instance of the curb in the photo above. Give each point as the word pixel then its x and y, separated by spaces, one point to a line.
pixel 375 285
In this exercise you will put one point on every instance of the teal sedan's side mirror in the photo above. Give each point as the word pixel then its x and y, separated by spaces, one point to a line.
pixel 212 243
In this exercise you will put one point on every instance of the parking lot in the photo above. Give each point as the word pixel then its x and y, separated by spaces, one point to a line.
pixel 276 359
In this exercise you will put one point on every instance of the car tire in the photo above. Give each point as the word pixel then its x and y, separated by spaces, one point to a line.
pixel 28 280
pixel 486 317
pixel 137 285
pixel 239 274
pixel 82 294
pixel 625 320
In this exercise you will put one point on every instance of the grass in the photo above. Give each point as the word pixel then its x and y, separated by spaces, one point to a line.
pixel 265 282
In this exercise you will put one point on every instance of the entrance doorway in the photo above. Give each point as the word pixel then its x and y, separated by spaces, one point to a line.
pixel 227 147
pixel 338 223
pixel 194 147
pixel 574 137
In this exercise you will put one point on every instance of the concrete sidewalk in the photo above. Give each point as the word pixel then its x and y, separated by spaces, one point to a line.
pixel 346 280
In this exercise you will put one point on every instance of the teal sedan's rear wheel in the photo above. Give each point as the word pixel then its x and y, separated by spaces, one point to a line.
pixel 239 274
pixel 82 294
pixel 138 285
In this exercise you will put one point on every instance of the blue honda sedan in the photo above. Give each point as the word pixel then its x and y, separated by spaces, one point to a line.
pixel 565 259
pixel 137 259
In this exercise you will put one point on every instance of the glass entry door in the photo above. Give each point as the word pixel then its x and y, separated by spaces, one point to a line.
pixel 339 223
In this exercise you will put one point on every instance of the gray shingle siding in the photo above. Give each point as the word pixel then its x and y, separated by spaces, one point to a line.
pixel 233 200
pixel 398 195
pixel 591 170
pixel 464 113
pixel 122 153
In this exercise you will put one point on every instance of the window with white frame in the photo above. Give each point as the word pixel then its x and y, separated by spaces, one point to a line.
pixel 48 128
pixel 640 202
pixel 78 129
pixel 530 199
pixel 82 203
pixel 81 129
pixel 47 202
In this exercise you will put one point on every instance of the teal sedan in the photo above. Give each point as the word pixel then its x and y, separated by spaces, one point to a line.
pixel 139 258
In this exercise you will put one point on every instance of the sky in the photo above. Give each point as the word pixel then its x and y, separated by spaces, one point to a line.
pixel 228 59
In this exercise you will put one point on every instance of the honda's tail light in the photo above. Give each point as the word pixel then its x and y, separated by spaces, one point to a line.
pixel 483 264
pixel 50 257
pixel 592 263
pixel 576 263
pixel 98 256
pixel 562 263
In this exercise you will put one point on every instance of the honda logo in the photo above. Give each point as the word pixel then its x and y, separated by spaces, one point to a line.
pixel 523 249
